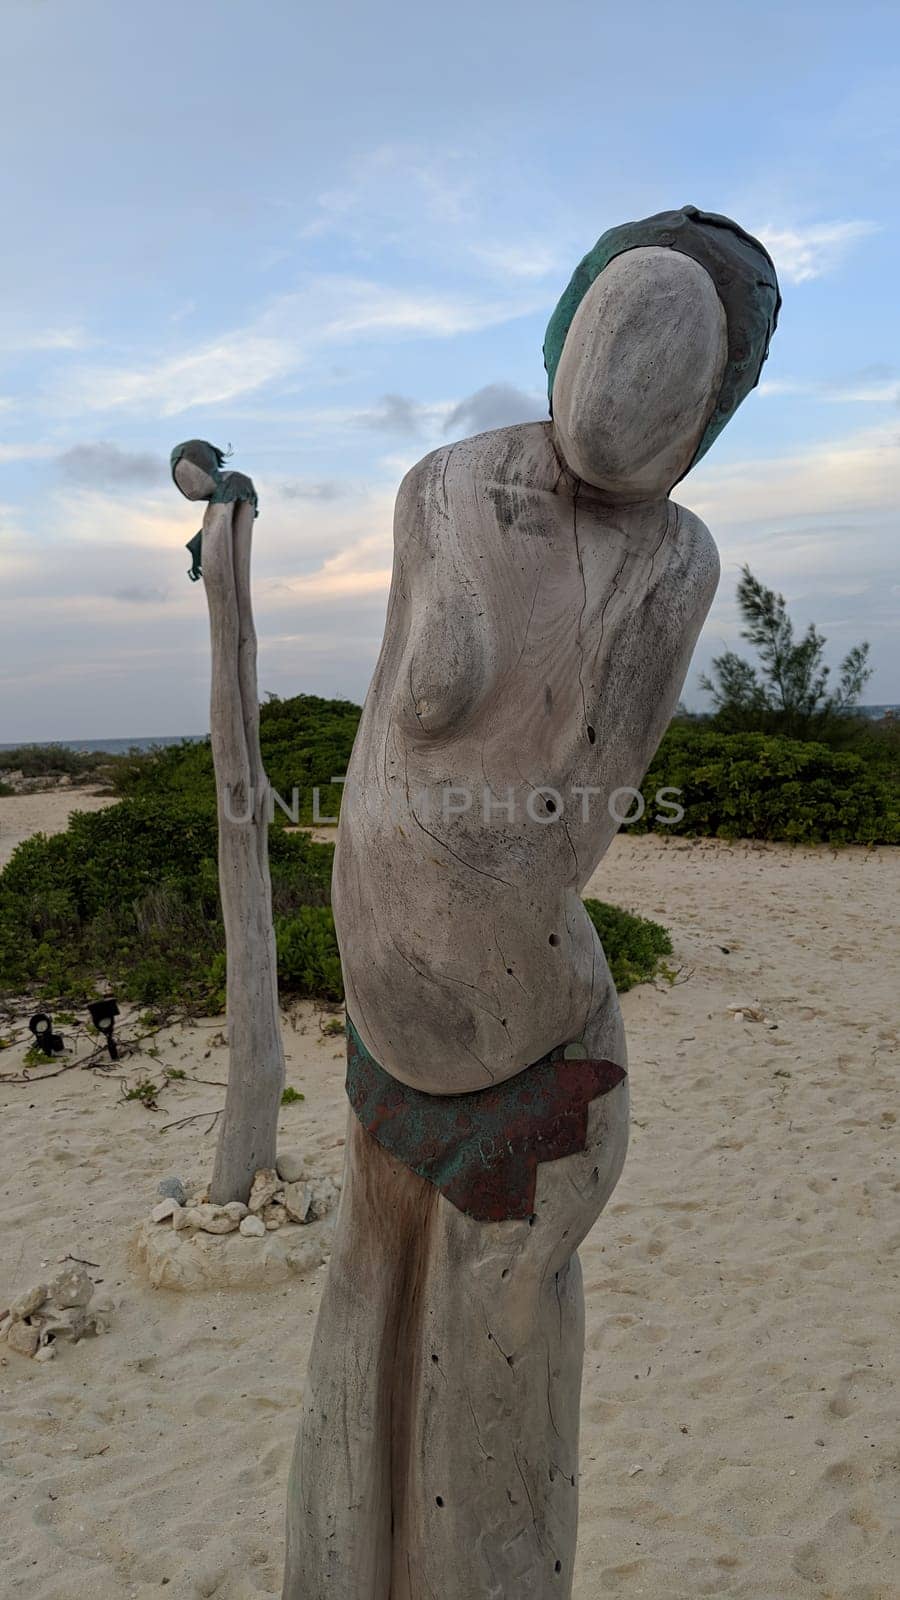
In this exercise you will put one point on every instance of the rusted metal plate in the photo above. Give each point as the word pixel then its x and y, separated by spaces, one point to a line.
pixel 481 1150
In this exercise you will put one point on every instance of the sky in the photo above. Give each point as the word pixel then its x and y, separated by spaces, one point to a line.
pixel 330 236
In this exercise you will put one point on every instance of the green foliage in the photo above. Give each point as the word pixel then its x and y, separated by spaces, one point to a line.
pixel 308 960
pixel 130 894
pixel 51 761
pixel 145 1091
pixel 291 1097
pixel 305 742
pixel 790 691
pixel 634 946
pixel 5 790
pixel 763 786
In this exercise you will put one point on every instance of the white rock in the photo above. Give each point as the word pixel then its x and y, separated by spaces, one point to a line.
pixel 290 1167
pixel 185 1217
pixel 264 1188
pixel 30 1301
pixel 23 1337
pixel 236 1209
pixel 324 1198
pixel 164 1209
pixel 274 1217
pixel 298 1198
pixel 73 1324
pixel 253 1228
pixel 198 1262
pixel 5 1325
pixel 46 1352
pixel 71 1287
pixel 215 1219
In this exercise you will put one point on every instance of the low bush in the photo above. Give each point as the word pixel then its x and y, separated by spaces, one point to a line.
pixel 308 959
pixel 305 741
pixel 763 786
pixel 634 946
pixel 50 761
pixel 130 895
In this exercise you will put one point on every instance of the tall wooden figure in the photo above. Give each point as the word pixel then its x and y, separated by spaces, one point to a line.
pixel 547 595
pixel 249 1128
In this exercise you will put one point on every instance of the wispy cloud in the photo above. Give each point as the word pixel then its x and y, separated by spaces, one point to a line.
pixel 16 341
pixel 865 389
pixel 524 258
pixel 141 595
pixel 803 253
pixel 394 413
pixel 842 477
pixel 398 188
pixel 497 405
pixel 210 374
pixel 105 465
pixel 27 452
pixel 285 336
pixel 324 490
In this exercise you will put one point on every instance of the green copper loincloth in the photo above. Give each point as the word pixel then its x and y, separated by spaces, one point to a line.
pixel 481 1150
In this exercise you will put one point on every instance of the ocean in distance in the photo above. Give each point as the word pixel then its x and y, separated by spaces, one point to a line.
pixel 110 747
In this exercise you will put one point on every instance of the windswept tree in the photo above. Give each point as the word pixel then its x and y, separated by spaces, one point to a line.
pixel 791 689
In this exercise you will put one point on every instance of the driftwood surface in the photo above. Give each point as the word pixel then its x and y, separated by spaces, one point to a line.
pixel 248 1131
pixel 546 598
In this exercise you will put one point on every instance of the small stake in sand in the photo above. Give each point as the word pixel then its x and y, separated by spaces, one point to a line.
pixel 547 596
pixel 221 552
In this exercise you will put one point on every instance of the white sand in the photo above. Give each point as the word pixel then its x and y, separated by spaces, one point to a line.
pixel 739 1285
pixel 46 811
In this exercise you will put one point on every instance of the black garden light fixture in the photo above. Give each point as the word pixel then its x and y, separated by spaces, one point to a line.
pixel 44 1038
pixel 103 1016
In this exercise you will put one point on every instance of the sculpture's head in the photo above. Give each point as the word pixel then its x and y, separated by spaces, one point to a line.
pixel 197 468
pixel 658 338
pixel 197 472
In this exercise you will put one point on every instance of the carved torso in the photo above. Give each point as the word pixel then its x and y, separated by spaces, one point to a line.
pixel 536 639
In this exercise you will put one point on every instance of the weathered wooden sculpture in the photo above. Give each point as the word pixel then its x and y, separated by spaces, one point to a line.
pixel 221 554
pixel 546 598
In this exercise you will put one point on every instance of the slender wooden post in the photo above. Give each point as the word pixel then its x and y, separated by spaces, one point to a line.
pixel 248 1131
pixel 547 596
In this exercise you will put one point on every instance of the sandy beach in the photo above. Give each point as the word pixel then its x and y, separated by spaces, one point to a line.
pixel 738 1437
pixel 44 811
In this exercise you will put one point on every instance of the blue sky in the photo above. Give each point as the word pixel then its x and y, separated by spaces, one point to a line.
pixel 332 235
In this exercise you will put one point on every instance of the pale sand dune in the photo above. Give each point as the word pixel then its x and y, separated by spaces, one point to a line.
pixel 740 1285
pixel 46 811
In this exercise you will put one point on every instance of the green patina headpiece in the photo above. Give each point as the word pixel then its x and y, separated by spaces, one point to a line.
pixel 229 487
pixel 742 271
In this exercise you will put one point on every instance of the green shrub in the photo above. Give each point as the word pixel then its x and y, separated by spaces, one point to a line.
pixel 51 761
pixel 633 946
pixel 308 960
pixel 764 786
pixel 306 741
pixel 130 894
